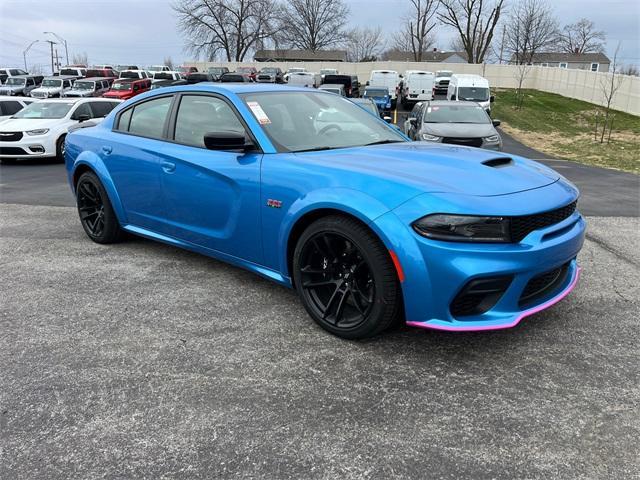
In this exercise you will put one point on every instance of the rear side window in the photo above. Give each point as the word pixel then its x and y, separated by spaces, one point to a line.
pixel 199 114
pixel 102 109
pixel 146 119
pixel 9 108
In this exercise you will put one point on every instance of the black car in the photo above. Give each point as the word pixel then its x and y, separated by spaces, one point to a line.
pixel 167 83
pixel 350 82
pixel 199 77
pixel 217 72
pixel 235 77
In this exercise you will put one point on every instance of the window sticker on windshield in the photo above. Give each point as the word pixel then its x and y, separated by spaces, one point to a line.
pixel 435 109
pixel 259 113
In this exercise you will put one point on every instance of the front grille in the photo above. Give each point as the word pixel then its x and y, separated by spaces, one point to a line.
pixel 264 77
pixel 468 142
pixel 443 83
pixel 522 226
pixel 12 151
pixel 39 94
pixel 10 136
pixel 543 284
pixel 479 296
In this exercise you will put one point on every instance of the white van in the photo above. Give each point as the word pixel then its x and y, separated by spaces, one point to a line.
pixel 417 87
pixel 305 79
pixel 472 88
pixel 386 78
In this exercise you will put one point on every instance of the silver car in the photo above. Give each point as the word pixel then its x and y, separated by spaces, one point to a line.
pixel 20 85
pixel 457 123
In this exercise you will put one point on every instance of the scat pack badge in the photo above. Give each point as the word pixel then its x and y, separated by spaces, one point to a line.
pixel 274 203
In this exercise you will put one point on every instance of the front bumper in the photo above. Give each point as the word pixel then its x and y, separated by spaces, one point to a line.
pixel 436 272
pixel 29 147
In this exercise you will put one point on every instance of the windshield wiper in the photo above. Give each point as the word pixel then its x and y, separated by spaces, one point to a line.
pixel 382 142
pixel 316 149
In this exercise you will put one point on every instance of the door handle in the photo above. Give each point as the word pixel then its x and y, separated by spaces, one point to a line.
pixel 168 167
pixel 107 149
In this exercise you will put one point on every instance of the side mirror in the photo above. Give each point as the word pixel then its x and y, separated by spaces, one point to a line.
pixel 453 97
pixel 387 119
pixel 226 141
pixel 83 118
pixel 492 99
pixel 367 84
pixel 496 123
pixel 413 122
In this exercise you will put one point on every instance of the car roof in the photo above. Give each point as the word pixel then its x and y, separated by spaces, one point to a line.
pixel 331 85
pixel 59 77
pixel 4 98
pixel 239 88
pixel 92 79
pixel 460 103
pixel 76 100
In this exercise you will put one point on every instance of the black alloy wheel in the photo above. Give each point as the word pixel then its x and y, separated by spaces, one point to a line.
pixel 60 148
pixel 345 278
pixel 96 213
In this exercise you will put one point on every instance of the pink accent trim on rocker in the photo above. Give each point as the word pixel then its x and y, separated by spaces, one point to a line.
pixel 524 314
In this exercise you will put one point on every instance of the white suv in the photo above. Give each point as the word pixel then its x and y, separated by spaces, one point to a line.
pixel 53 87
pixel 39 130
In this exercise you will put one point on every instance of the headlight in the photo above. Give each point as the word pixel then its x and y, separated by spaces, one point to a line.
pixel 492 139
pixel 40 131
pixel 464 228
pixel 430 138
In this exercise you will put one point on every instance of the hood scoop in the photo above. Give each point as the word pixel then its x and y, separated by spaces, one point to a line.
pixel 499 162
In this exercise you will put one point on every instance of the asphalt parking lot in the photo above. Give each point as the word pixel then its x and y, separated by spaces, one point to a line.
pixel 143 361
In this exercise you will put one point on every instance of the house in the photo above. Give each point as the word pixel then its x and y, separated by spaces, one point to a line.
pixel 596 62
pixel 300 56
pixel 432 56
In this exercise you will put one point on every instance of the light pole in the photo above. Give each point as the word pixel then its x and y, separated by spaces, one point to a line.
pixel 24 54
pixel 64 42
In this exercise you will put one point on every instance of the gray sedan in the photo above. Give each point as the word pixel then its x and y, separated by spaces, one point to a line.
pixel 457 123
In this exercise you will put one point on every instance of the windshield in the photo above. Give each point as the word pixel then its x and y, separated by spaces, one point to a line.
pixel 52 83
pixel 376 92
pixel 121 86
pixel 473 94
pixel 444 74
pixel 83 86
pixel 68 71
pixel 269 70
pixel 369 106
pixel 456 114
pixel 302 121
pixel 156 69
pixel 129 74
pixel 45 110
pixel 216 70
pixel 15 81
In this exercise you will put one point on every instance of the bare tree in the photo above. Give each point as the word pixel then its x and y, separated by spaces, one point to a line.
pixel 313 24
pixel 474 21
pixel 168 61
pixel 363 44
pixel 530 28
pixel 609 85
pixel 581 37
pixel 230 27
pixel 416 35
pixel 632 70
pixel 80 59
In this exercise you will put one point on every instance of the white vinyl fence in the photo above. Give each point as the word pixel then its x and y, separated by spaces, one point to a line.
pixel 580 84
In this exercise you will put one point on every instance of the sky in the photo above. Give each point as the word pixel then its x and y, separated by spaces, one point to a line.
pixel 144 32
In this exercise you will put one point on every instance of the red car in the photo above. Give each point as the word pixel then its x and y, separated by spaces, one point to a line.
pixel 125 88
pixel 252 72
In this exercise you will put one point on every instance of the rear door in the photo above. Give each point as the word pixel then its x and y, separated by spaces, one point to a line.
pixel 212 196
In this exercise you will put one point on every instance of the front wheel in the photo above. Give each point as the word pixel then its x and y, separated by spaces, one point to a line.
pixel 98 219
pixel 60 149
pixel 346 278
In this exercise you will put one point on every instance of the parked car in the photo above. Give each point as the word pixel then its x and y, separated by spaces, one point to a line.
pixel 21 85
pixel 350 83
pixel 389 79
pixel 134 74
pixel 167 83
pixel 71 71
pixel 158 68
pixel 472 88
pixel 39 129
pixel 270 75
pixel 6 72
pixel 304 79
pixel 370 106
pixel 126 88
pixel 327 71
pixel 166 75
pixel 53 87
pixel 417 86
pixel 88 87
pixel 368 227
pixel 12 105
pixel 333 88
pixel 199 78
pixel 102 72
pixel 442 82
pixel 293 70
pixel 252 72
pixel 185 71
pixel 381 97
pixel 121 68
pixel 217 72
pixel 459 123
pixel 233 77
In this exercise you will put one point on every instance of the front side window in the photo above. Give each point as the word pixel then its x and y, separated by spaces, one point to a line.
pixel 146 119
pixel 16 81
pixel 102 109
pixel 302 121
pixel 200 114
pixel 82 109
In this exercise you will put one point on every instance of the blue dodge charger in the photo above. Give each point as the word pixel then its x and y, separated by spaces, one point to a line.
pixel 311 191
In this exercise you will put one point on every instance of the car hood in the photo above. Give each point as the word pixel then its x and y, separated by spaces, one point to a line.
pixel 12 87
pixel 46 89
pixel 25 124
pixel 117 94
pixel 465 130
pixel 422 167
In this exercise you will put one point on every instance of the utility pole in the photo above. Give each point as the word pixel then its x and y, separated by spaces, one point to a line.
pixel 51 44
pixel 57 61
pixel 63 41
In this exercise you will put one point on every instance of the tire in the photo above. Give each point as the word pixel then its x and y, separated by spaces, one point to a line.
pixel 60 149
pixel 96 214
pixel 345 278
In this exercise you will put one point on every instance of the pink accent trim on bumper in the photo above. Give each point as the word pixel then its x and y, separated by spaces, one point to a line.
pixel 517 320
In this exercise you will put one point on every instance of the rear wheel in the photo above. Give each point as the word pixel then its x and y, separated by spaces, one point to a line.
pixel 98 219
pixel 345 278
